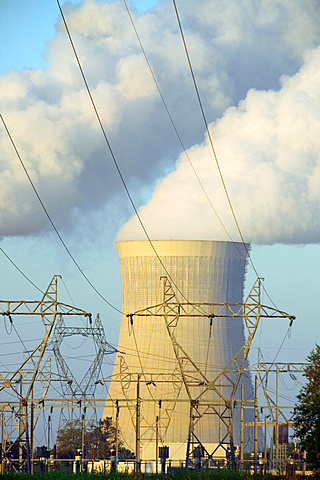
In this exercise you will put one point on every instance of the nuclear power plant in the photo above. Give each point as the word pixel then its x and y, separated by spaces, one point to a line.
pixel 181 388
pixel 149 375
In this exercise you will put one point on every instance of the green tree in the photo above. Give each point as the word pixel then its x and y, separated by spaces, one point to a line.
pixel 306 415
pixel 99 440
pixel 69 439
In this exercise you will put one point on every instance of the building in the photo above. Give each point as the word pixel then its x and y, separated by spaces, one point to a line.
pixel 202 271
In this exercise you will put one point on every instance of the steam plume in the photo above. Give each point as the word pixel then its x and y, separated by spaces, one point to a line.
pixel 56 133
pixel 269 152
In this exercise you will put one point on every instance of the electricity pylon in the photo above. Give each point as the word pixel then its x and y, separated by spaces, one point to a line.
pixel 215 395
pixel 84 389
pixel 19 384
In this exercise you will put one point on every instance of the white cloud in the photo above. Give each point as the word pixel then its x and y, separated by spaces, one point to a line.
pixel 234 46
pixel 134 77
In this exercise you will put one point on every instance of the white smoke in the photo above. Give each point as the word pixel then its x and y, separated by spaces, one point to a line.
pixel 234 45
pixel 269 151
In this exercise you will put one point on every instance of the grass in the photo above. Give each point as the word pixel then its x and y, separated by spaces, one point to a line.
pixel 210 474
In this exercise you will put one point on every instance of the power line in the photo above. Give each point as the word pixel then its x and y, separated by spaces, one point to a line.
pixel 113 155
pixel 16 266
pixel 213 149
pixel 171 119
pixel 11 343
pixel 207 128
pixel 65 286
pixel 141 366
pixel 186 153
pixel 180 140
pixel 22 342
pixel 51 221
pixel 285 336
pixel 183 146
pixel 211 143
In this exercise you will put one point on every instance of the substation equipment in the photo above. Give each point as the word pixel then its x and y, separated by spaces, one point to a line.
pixel 194 379
pixel 21 412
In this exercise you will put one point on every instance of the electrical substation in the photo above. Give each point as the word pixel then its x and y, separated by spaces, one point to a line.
pixel 204 397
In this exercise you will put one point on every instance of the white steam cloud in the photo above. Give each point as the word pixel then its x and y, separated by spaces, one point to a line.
pixel 269 150
pixel 268 145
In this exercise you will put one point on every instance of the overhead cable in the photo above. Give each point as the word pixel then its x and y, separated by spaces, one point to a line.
pixel 16 266
pixel 113 155
pixel 51 221
pixel 213 149
pixel 171 119
pixel 207 128
pixel 139 358
pixel 184 148
pixel 21 341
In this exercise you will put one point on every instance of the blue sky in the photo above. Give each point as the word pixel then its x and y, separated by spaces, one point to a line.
pixel 27 25
pixel 291 271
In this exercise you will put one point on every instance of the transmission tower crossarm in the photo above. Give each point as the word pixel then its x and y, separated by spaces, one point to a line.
pixel 48 308
pixel 218 310
pixel 279 366
pixel 32 307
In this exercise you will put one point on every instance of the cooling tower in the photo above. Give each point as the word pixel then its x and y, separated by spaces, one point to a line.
pixel 204 271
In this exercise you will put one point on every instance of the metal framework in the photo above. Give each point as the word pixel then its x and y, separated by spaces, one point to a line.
pixel 83 390
pixel 136 403
pixel 192 375
pixel 280 414
pixel 166 407
pixel 19 384
pixel 188 374
pixel 13 415
pixel 276 415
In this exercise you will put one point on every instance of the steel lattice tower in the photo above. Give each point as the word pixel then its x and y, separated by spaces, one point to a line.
pixel 72 387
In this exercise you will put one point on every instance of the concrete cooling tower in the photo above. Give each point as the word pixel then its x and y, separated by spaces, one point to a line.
pixel 204 271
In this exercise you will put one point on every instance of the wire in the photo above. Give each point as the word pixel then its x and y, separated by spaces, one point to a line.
pixel 287 332
pixel 293 387
pixel 84 321
pixel 5 366
pixel 207 128
pixel 136 344
pixel 184 148
pixel 65 286
pixel 208 347
pixel 285 397
pixel 185 151
pixel 5 325
pixel 113 155
pixel 25 276
pixel 51 221
pixel 22 342
pixel 85 339
pixel 215 155
pixel 11 343
pixel 171 119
